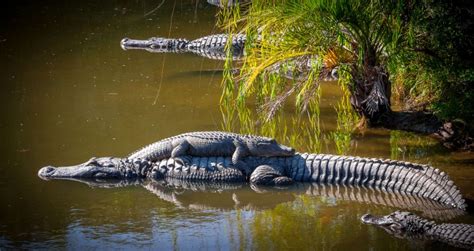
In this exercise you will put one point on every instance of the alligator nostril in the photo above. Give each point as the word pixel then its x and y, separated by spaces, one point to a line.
pixel 122 43
pixel 46 171
pixel 366 218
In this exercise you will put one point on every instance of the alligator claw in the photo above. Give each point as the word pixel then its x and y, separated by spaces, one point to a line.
pixel 245 169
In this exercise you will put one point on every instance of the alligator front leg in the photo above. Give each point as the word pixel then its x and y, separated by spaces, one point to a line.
pixel 240 152
pixel 180 152
pixel 269 176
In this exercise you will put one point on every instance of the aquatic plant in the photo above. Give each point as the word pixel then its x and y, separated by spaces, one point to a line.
pixel 365 41
pixel 348 35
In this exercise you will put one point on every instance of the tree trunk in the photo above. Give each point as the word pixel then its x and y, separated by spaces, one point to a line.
pixel 370 93
pixel 370 97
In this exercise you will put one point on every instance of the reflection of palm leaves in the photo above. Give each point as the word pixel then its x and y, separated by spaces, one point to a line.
pixel 302 131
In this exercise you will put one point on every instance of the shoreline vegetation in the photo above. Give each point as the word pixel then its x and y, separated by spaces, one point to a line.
pixel 417 55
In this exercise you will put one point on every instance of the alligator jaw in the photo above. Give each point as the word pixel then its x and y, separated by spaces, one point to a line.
pixel 153 44
pixel 50 172
pixel 128 44
pixel 375 220
pixel 105 168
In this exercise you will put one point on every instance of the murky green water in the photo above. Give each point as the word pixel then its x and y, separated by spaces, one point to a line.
pixel 69 92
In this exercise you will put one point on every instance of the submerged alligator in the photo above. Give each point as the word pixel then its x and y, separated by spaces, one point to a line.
pixel 212 46
pixel 385 175
pixel 409 226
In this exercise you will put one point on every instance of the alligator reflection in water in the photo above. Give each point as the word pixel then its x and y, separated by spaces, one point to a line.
pixel 183 193
pixel 205 195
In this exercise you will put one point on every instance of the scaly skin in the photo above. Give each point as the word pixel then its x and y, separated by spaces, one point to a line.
pixel 212 46
pixel 409 226
pixel 388 176
pixel 213 144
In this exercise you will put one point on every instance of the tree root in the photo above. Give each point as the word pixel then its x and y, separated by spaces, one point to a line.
pixel 454 135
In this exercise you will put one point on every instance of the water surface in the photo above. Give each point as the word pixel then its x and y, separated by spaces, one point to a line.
pixel 69 92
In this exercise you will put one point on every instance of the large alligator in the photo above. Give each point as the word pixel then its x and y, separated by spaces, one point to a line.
pixel 409 226
pixel 212 46
pixel 385 175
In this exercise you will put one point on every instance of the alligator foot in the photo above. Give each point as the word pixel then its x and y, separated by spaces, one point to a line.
pixel 269 175
pixel 183 160
pixel 244 168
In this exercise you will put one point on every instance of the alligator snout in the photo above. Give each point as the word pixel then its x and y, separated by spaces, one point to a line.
pixel 123 42
pixel 376 220
pixel 367 218
pixel 46 171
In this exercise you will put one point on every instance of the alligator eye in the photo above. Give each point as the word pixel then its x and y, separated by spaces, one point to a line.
pixel 105 164
pixel 92 161
pixel 100 175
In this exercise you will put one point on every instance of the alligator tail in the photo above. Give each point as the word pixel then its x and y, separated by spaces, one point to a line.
pixel 386 175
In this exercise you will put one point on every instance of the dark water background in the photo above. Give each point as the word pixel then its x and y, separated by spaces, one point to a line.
pixel 69 92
